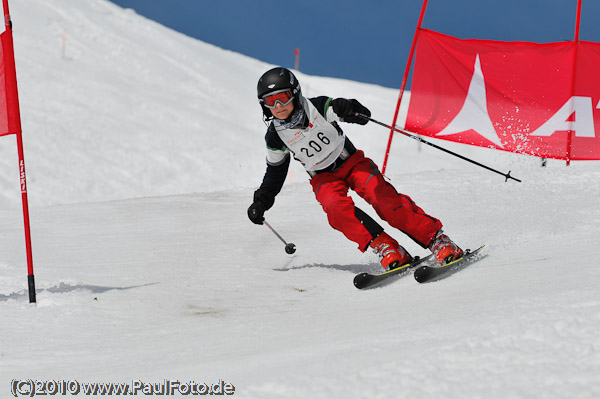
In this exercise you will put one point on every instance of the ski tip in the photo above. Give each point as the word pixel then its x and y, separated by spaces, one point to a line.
pixel 361 280
pixel 425 274
pixel 422 274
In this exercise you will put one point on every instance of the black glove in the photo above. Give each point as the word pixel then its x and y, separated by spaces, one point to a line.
pixel 256 213
pixel 263 201
pixel 347 109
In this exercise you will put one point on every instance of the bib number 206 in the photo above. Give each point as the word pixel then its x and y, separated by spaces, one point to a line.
pixel 315 147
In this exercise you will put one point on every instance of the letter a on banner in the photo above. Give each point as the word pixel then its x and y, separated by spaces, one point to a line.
pixel 10 123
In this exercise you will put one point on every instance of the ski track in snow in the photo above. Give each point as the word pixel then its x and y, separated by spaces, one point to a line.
pixel 147 267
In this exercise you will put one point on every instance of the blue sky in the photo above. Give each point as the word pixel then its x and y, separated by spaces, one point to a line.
pixel 366 41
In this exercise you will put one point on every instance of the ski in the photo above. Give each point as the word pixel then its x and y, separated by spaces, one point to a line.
pixel 431 273
pixel 368 280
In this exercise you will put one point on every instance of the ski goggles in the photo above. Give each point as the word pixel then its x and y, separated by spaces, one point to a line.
pixel 284 97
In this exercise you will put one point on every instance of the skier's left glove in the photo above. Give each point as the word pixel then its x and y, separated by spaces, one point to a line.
pixel 263 201
pixel 347 109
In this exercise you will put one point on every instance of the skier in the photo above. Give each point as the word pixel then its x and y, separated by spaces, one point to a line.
pixel 308 129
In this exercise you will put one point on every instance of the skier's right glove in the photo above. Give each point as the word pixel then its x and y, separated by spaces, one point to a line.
pixel 263 201
pixel 256 213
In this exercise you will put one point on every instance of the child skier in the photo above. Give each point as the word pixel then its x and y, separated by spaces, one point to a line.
pixel 308 129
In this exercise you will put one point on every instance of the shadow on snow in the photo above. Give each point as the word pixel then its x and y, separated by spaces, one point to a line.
pixel 357 268
pixel 63 288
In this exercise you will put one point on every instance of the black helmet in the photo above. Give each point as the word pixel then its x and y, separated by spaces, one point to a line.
pixel 277 79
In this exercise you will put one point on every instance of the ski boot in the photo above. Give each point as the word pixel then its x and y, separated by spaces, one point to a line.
pixel 392 254
pixel 444 249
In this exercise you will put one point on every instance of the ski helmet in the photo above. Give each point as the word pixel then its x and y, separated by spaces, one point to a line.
pixel 277 79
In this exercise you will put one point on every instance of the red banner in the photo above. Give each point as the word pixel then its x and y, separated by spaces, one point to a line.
pixel 10 121
pixel 537 99
pixel 4 112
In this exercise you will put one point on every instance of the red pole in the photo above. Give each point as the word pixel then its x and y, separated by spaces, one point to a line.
pixel 578 20
pixel 14 126
pixel 576 43
pixel 404 79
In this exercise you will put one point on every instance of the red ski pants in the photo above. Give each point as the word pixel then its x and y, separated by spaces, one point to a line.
pixel 362 175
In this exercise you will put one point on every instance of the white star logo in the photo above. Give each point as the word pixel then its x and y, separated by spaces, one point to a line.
pixel 474 113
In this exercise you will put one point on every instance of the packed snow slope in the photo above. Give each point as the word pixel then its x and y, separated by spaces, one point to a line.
pixel 143 148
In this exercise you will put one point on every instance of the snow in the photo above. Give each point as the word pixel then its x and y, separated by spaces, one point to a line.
pixel 143 148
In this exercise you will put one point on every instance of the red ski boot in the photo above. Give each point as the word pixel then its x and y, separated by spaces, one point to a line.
pixel 392 254
pixel 444 250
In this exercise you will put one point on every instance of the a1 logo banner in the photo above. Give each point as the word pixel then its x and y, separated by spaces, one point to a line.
pixel 514 96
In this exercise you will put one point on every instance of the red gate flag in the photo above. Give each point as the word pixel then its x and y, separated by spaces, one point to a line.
pixel 10 123
pixel 530 98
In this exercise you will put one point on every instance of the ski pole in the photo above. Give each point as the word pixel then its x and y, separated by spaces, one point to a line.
pixel 290 248
pixel 412 136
